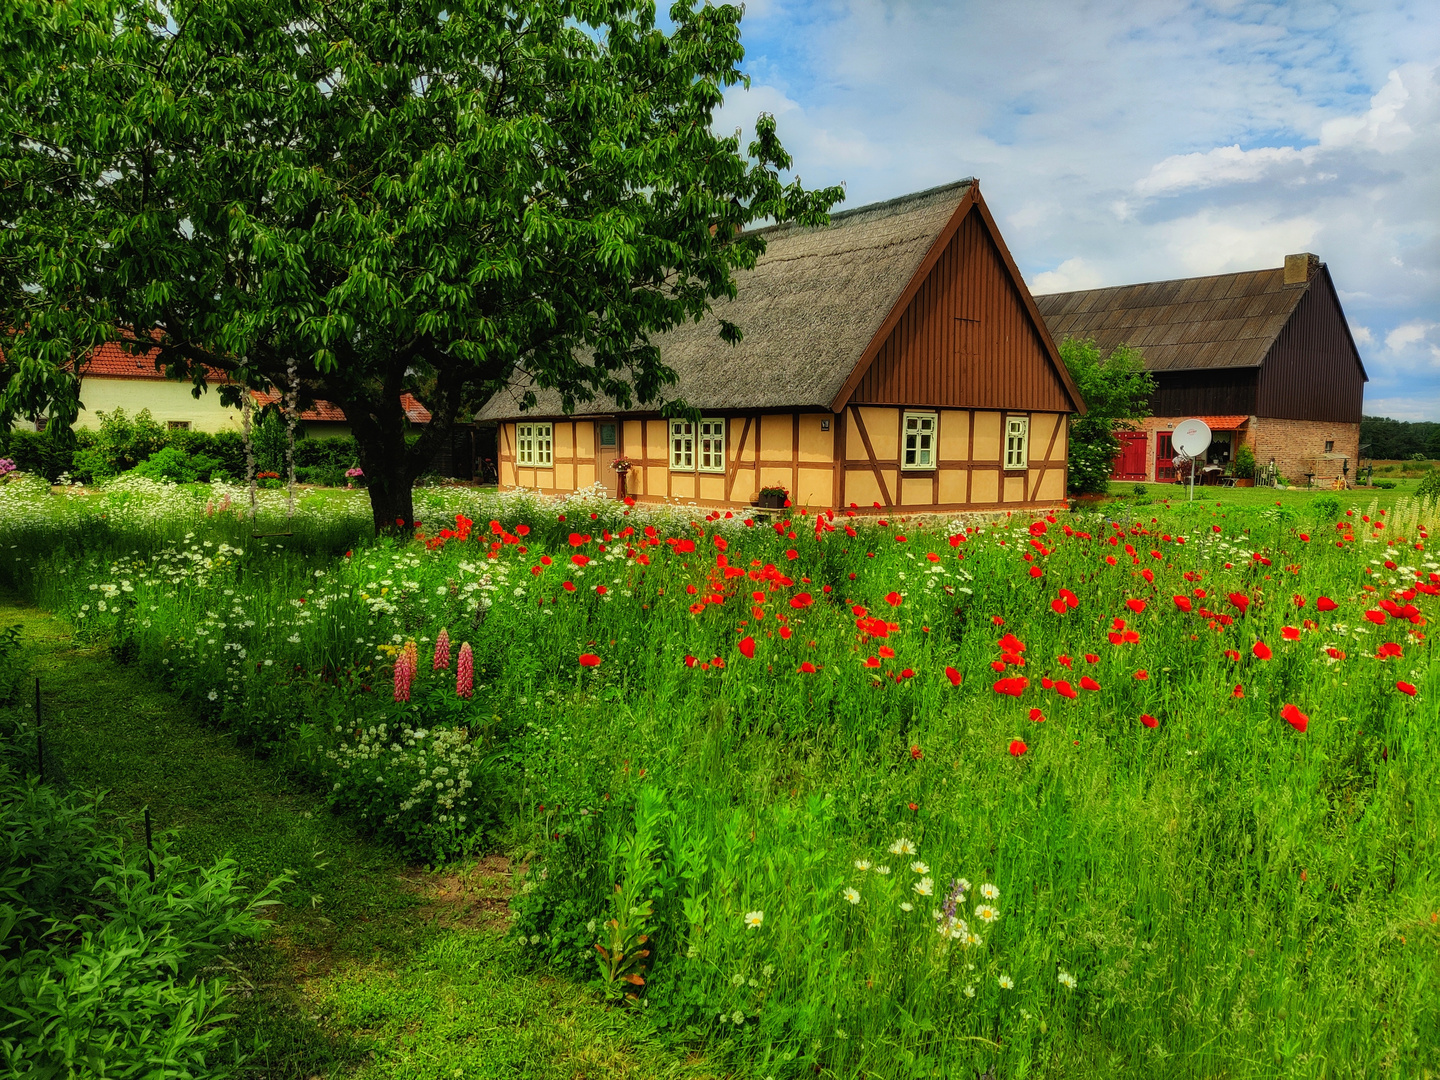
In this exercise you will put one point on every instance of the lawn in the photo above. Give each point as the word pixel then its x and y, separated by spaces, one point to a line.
pixel 1148 790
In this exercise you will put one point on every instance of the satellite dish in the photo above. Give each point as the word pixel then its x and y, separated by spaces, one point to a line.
pixel 1191 437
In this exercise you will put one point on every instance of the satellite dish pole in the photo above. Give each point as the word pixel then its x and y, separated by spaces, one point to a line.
pixel 1191 438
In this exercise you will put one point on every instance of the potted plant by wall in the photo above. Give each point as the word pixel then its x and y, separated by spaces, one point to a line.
pixel 1244 467
pixel 773 498
pixel 622 467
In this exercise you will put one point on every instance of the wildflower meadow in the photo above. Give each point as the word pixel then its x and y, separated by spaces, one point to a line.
pixel 1141 791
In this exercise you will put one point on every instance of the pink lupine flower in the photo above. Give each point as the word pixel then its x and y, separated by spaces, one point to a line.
pixel 406 663
pixel 465 672
pixel 442 651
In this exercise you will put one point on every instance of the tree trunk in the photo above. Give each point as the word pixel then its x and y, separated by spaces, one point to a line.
pixel 390 480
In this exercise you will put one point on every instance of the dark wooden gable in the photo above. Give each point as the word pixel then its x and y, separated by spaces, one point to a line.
pixel 967 335
pixel 1313 371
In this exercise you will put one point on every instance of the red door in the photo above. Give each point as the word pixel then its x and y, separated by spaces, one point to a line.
pixel 1130 462
pixel 1164 458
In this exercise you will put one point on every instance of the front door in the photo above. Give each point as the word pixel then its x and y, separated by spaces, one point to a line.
pixel 607 441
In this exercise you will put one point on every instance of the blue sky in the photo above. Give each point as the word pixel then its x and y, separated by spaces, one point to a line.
pixel 1139 140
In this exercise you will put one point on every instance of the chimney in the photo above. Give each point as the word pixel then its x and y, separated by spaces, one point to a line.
pixel 1300 268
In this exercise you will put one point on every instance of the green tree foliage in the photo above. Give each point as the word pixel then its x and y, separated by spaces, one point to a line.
pixel 1116 390
pixel 1398 440
pixel 440 197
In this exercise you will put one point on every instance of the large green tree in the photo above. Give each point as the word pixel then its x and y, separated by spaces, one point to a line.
pixel 440 197
pixel 1116 390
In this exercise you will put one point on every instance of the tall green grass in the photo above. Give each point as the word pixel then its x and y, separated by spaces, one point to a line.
pixel 1228 895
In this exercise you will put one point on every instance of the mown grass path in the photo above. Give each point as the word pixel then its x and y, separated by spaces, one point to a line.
pixel 374 969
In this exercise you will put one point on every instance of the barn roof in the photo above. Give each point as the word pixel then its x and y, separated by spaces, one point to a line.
pixel 808 310
pixel 1220 321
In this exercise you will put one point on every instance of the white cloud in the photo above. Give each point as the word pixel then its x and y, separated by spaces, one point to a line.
pixel 1070 275
pixel 1362 335
pixel 1216 241
pixel 1223 165
pixel 1407 334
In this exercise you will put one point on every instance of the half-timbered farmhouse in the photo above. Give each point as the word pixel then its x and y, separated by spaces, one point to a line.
pixel 892 358
pixel 1264 357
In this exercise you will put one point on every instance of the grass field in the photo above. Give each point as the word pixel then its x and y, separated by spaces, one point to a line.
pixel 1145 791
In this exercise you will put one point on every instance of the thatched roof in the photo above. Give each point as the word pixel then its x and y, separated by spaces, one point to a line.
pixel 808 310
pixel 1221 321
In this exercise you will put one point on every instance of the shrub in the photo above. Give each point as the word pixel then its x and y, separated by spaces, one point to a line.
pixel 98 961
pixel 1325 507
pixel 1429 487
pixel 174 465
pixel 1244 466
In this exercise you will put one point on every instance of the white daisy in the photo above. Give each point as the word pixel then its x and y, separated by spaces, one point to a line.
pixel 1007 983
pixel 987 913
pixel 919 868
pixel 862 864
pixel 989 892
pixel 851 895
pixel 1067 980
pixel 925 886
pixel 902 847
pixel 753 919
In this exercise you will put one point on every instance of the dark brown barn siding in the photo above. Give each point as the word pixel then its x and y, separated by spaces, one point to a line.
pixel 1312 372
pixel 966 340
pixel 1226 392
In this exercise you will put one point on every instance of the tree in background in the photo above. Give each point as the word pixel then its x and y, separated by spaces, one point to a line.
pixel 1116 389
pixel 1398 440
pixel 374 197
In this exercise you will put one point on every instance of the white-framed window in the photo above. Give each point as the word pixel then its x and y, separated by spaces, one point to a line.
pixel 1017 442
pixel 534 445
pixel 682 445
pixel 917 443
pixel 712 445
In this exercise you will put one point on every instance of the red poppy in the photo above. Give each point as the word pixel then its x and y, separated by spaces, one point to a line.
pixel 1087 683
pixel 1014 686
pixel 1294 717
pixel 893 599
pixel 1290 633
pixel 1137 606
pixel 1232 655
pixel 1406 688
pixel 1011 644
pixel 747 647
pixel 907 673
pixel 801 600
pixel 1387 650
pixel 1261 651
pixel 1149 721
pixel 1376 617
pixel 1037 716
pixel 807 668
pixel 568 586
pixel 887 653
pixel 785 633
pixel 689 660
pixel 717 662
pixel 872 661
pixel 1017 748
pixel 1062 659
pixel 915 754
pixel 1325 604
pixel 1240 600
pixel 580 560
pixel 1334 653
pixel 1183 603
pixel 997 620
pixel 1058 606
pixel 1065 690
pixel 1091 658
pixel 1035 571
pixel 1142 675
pixel 589 659
pixel 953 675
pixel 1238 692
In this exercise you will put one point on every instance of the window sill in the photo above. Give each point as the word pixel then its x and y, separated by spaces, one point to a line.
pixel 928 470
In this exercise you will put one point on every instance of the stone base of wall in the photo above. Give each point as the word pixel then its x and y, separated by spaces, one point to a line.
pixel 1297 446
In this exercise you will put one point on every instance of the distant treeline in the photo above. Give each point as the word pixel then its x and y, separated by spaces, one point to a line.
pixel 1398 440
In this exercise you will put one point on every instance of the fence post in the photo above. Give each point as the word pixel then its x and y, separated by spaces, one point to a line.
pixel 39 734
